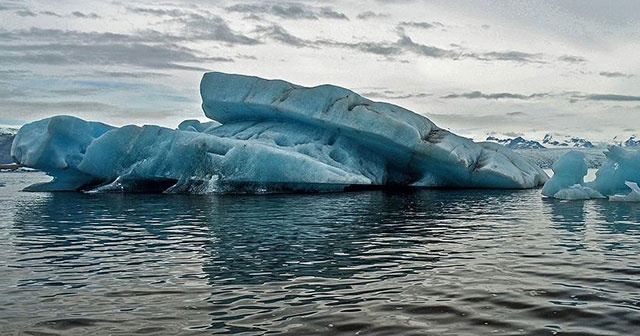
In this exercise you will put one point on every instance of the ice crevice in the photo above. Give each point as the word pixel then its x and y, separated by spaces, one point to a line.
pixel 268 136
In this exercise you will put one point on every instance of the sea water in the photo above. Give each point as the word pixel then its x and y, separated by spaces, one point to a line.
pixel 426 262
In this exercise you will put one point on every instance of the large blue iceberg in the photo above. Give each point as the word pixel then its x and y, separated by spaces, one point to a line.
pixel 268 136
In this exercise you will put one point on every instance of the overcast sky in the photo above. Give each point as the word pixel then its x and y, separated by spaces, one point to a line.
pixel 475 67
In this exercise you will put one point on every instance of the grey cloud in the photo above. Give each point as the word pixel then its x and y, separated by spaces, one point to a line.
pixel 423 25
pixel 572 96
pixel 377 48
pixel 516 56
pixel 77 91
pixel 33 110
pixel 26 13
pixel 615 74
pixel 12 92
pixel 515 114
pixel 157 11
pixel 389 94
pixel 255 17
pixel 53 35
pixel 142 115
pixel 289 11
pixel 246 57
pixel 278 33
pixel 35 58
pixel 249 8
pixel 155 49
pixel 220 59
pixel 327 12
pixel 50 13
pixel 137 75
pixel 572 59
pixel 612 97
pixel 503 95
pixel 214 28
pixel 293 11
pixel 9 6
pixel 136 54
pixel 424 50
pixel 149 49
pixel 513 134
pixel 196 27
pixel 406 45
pixel 202 25
pixel 394 2
pixel 370 15
pixel 12 73
pixel 47 107
pixel 85 16
pixel 390 49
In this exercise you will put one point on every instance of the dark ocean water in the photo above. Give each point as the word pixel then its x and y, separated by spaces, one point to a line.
pixel 431 262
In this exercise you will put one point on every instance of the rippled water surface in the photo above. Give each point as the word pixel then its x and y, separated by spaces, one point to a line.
pixel 431 262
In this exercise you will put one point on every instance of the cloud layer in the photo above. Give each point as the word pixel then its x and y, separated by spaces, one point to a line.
pixel 438 58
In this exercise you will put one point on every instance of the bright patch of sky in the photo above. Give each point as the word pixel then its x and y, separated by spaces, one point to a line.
pixel 475 67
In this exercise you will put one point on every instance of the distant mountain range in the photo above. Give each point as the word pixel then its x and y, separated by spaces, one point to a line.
pixel 631 142
pixel 549 141
pixel 567 142
pixel 517 143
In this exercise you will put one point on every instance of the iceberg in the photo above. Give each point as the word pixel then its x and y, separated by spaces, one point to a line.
pixel 268 136
pixel 567 182
pixel 619 174
pixel 633 196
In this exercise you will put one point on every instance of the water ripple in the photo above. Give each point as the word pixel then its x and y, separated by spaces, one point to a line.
pixel 436 262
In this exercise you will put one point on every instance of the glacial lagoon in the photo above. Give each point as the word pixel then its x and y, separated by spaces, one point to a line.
pixel 423 262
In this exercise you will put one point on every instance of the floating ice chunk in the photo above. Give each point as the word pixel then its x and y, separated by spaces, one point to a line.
pixel 616 176
pixel 577 192
pixel 274 136
pixel 621 166
pixel 568 171
pixel 633 196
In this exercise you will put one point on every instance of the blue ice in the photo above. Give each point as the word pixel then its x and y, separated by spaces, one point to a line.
pixel 269 136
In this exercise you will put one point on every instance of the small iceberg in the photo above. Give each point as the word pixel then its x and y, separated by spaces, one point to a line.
pixel 619 173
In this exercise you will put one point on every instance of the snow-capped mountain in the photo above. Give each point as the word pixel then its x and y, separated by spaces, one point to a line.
pixel 516 143
pixel 631 142
pixel 567 141
pixel 8 130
